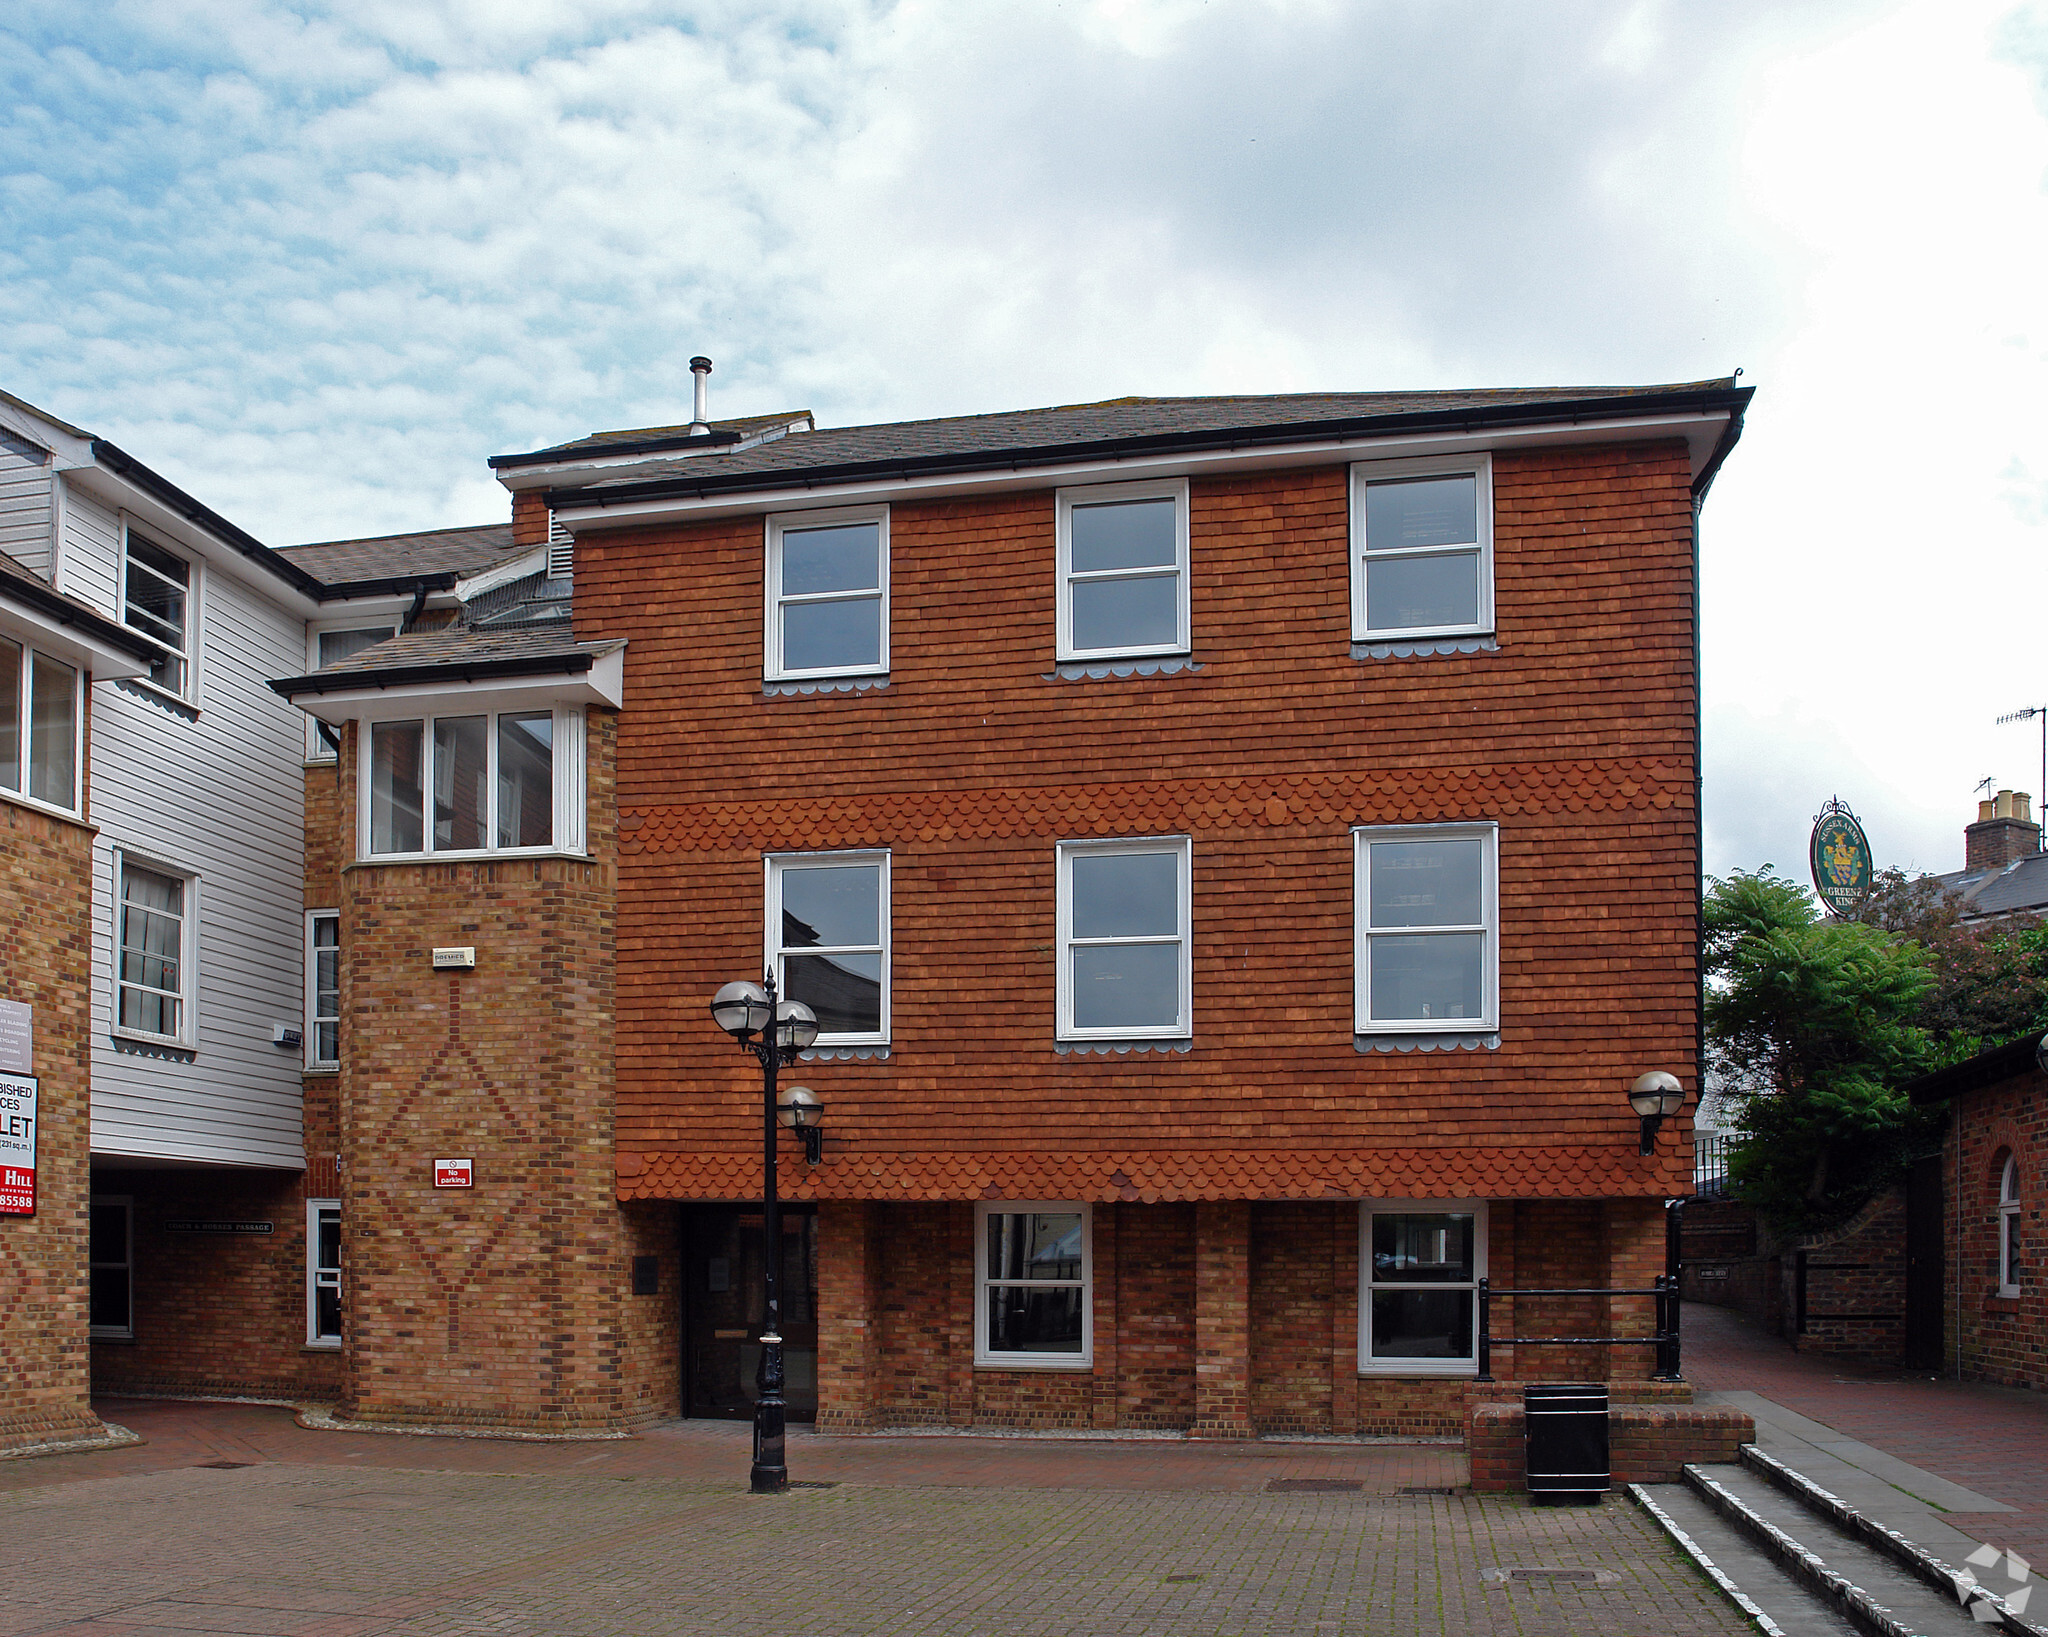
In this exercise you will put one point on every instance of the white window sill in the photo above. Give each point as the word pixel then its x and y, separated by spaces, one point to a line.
pixel 36 804
pixel 1096 656
pixel 1424 1026
pixel 1122 1037
pixel 1420 1369
pixel 167 1041
pixel 1034 1362
pixel 2007 1293
pixel 143 685
pixel 321 1068
pixel 1418 633
pixel 97 1334
pixel 321 1347
pixel 473 855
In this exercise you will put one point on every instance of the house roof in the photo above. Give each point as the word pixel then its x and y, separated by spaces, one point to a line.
pixel 449 553
pixel 2018 888
pixel 652 439
pixel 458 653
pixel 1019 438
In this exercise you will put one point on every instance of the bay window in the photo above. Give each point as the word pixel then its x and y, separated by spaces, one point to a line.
pixel 506 781
pixel 39 717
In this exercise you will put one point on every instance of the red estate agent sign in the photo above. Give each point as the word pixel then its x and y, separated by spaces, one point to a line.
pixel 454 1173
pixel 17 1145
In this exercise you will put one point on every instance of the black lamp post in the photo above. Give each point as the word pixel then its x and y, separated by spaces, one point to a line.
pixel 1654 1096
pixel 743 1010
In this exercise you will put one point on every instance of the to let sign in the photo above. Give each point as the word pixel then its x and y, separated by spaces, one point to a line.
pixel 17 1145
pixel 454 1173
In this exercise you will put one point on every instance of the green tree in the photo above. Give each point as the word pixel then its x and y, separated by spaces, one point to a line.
pixel 1814 1023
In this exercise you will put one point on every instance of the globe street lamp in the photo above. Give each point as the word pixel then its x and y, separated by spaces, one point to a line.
pixel 1655 1097
pixel 743 1010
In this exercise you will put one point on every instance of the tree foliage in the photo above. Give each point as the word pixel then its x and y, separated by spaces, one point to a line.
pixel 1815 1023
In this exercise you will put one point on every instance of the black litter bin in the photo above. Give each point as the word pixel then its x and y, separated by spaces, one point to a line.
pixel 1566 1429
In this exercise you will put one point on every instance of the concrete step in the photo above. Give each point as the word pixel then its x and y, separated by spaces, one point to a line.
pixel 1801 1560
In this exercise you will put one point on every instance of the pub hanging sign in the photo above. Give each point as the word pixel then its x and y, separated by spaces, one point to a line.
pixel 1840 856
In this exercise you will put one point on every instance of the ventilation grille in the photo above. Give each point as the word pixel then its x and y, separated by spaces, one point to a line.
pixel 561 550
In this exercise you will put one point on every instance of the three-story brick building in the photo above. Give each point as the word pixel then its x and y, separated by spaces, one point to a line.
pixel 1241 851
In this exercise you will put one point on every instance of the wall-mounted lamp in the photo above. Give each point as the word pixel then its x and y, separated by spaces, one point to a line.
pixel 1655 1096
pixel 803 1111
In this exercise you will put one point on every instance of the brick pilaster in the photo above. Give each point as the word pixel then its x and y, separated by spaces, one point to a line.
pixel 1344 1252
pixel 846 1314
pixel 1223 1319
pixel 960 1315
pixel 1105 1377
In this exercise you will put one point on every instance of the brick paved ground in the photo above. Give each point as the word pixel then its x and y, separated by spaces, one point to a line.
pixel 1990 1439
pixel 360 1535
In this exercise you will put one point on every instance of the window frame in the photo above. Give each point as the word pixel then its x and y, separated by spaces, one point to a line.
pixel 188 655
pixel 777 524
pixel 110 1332
pixel 1096 494
pixel 1183 1028
pixel 187 1037
pixel 314 1337
pixel 317 748
pixel 773 865
pixel 1367 1210
pixel 25 708
pixel 315 1063
pixel 1362 934
pixel 984 1358
pixel 569 750
pixel 1363 475
pixel 2008 1225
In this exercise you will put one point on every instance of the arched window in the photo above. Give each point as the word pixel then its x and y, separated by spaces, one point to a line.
pixel 2009 1227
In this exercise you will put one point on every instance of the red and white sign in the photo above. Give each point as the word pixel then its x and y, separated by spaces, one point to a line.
pixel 17 1145
pixel 454 1173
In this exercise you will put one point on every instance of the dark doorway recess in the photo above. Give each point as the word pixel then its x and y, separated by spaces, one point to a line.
pixel 1924 1264
pixel 722 1302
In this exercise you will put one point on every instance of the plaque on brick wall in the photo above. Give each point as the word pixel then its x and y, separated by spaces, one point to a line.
pixel 17 1038
pixel 454 1173
pixel 17 1144
pixel 193 1225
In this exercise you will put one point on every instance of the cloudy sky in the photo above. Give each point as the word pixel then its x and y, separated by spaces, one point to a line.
pixel 316 261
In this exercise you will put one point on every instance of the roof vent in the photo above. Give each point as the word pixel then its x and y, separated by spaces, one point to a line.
pixel 561 550
pixel 700 416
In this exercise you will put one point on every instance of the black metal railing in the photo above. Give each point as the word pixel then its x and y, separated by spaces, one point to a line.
pixel 1664 1289
pixel 1664 1338
pixel 1709 1158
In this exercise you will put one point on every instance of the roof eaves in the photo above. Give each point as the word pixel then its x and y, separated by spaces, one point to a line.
pixel 2014 1058
pixel 1466 418
pixel 461 670
pixel 390 586
pixel 584 449
pixel 120 461
pixel 47 600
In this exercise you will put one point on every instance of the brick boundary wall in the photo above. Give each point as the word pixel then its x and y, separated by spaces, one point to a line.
pixel 1647 1444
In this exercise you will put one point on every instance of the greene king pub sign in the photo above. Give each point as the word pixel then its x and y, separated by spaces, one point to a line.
pixel 1840 856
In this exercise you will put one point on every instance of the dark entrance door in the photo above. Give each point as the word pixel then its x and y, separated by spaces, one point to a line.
pixel 1924 1264
pixel 722 1304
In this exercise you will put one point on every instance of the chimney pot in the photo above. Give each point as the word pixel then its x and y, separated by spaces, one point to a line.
pixel 1986 811
pixel 700 414
pixel 2005 832
pixel 2005 804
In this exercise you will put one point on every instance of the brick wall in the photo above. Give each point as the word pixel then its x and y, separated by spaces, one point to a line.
pixel 1293 1279
pixel 1577 735
pixel 216 1312
pixel 506 1304
pixel 2003 1339
pixel 1855 1285
pixel 1155 1322
pixel 45 956
pixel 919 1355
pixel 1647 1444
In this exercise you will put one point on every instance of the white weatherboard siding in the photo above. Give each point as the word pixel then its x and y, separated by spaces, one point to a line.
pixel 219 797
pixel 24 503
pixel 89 566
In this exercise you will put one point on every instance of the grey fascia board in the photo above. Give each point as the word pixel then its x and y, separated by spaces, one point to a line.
pixel 1719 400
pixel 565 455
pixel 389 586
pixel 404 676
